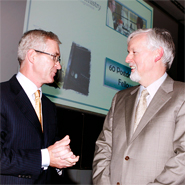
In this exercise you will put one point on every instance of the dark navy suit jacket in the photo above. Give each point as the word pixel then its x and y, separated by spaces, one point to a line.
pixel 21 135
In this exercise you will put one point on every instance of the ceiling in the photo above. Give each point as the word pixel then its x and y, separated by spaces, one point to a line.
pixel 175 8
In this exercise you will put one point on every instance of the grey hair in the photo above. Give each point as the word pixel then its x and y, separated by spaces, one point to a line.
pixel 156 38
pixel 34 39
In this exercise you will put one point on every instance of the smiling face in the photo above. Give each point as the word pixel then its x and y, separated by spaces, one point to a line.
pixel 141 59
pixel 45 67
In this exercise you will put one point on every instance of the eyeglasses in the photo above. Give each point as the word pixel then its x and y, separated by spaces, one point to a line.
pixel 55 58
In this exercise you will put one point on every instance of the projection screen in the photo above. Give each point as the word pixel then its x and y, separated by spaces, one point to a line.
pixel 93 48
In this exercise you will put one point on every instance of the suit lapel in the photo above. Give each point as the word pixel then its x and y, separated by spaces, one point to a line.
pixel 161 97
pixel 24 104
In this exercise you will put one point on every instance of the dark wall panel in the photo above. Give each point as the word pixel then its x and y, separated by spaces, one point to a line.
pixel 83 129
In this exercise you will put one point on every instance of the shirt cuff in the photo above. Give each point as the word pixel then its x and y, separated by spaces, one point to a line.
pixel 45 158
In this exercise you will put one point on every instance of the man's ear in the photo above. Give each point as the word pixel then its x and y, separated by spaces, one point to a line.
pixel 31 55
pixel 159 54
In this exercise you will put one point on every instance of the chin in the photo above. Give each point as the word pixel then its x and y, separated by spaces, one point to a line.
pixel 50 81
pixel 135 76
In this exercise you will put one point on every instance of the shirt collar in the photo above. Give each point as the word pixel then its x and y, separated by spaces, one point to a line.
pixel 29 87
pixel 152 88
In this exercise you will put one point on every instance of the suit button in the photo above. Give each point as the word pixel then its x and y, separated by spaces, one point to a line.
pixel 118 183
pixel 127 158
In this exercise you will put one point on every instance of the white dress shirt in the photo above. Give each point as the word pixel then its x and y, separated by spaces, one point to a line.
pixel 152 88
pixel 30 88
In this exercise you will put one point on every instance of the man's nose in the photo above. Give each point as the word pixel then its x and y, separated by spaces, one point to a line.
pixel 58 65
pixel 128 58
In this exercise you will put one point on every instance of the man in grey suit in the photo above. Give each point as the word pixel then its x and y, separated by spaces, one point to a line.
pixel 152 152
pixel 28 148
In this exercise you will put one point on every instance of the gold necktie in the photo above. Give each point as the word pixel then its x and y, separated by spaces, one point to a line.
pixel 142 105
pixel 38 106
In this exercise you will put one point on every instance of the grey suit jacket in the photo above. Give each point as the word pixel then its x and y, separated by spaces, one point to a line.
pixel 155 153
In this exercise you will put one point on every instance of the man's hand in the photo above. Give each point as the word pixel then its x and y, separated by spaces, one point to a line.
pixel 61 155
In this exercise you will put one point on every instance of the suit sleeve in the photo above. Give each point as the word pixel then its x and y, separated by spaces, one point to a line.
pixel 174 170
pixel 103 151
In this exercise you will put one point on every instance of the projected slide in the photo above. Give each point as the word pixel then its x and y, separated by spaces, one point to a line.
pixel 93 49
pixel 78 70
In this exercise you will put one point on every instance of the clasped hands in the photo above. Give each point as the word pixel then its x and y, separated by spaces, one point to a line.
pixel 61 155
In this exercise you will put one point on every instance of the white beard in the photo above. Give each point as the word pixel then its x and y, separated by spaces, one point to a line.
pixel 134 76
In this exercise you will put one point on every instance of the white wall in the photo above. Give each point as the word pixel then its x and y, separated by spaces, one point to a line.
pixel 11 29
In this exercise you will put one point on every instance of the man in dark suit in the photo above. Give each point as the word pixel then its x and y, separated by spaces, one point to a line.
pixel 138 147
pixel 28 147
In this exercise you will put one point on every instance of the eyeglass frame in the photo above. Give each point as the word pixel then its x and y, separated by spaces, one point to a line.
pixel 54 56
